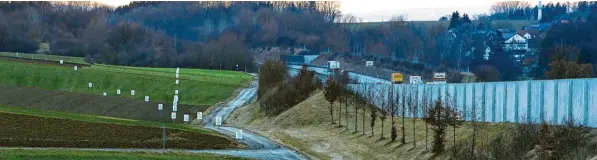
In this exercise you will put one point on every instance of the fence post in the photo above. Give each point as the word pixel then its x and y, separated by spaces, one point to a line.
pixel 484 103
pixel 570 92
pixel 494 94
pixel 555 102
pixel 542 101
pixel 529 88
pixel 464 101
pixel 586 116
pixel 505 104
pixel 516 115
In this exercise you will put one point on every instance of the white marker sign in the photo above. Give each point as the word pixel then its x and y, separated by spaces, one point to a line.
pixel 369 63
pixel 239 134
pixel 177 75
pixel 415 80
pixel 61 61
pixel 118 91
pixel 146 98
pixel 174 107
pixel 177 70
pixel 176 91
pixel 132 92
pixel 75 68
pixel 176 98
pixel 173 115
pixel 105 94
pixel 177 81
pixel 199 115
pixel 186 118
pixel 160 106
pixel 218 121
pixel 90 84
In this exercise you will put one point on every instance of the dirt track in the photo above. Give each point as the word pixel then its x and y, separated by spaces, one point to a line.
pixel 111 106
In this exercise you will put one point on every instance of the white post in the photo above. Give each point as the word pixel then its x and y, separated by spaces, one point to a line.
pixel 199 115
pixel 61 61
pixel 90 85
pixel 218 121
pixel 146 99
pixel 175 107
pixel 132 92
pixel 160 107
pixel 118 92
pixel 173 116
pixel 76 68
pixel 177 81
pixel 176 91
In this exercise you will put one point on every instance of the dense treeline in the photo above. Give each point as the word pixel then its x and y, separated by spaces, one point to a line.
pixel 279 92
pixel 186 34
pixel 522 10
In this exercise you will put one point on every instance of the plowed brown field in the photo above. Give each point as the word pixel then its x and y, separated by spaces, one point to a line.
pixel 31 131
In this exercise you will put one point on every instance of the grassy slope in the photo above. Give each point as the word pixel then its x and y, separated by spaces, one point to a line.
pixel 307 128
pixel 101 119
pixel 45 57
pixel 197 87
pixel 17 154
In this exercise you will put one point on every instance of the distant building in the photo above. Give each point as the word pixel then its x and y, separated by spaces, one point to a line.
pixel 541 27
pixel 515 42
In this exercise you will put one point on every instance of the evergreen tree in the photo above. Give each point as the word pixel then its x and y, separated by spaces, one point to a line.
pixel 465 19
pixel 454 20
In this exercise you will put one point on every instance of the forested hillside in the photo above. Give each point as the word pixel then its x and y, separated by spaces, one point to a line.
pixel 219 35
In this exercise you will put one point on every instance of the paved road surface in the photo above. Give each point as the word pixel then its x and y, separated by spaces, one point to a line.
pixel 259 147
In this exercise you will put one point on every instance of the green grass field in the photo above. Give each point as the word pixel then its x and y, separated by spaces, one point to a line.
pixel 197 86
pixel 100 119
pixel 19 154
pixel 45 57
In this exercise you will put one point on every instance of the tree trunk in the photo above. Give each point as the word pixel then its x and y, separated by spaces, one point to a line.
pixel 363 120
pixel 474 138
pixel 426 136
pixel 356 118
pixel 454 134
pixel 340 114
pixel 372 133
pixel 332 112
pixel 414 132
pixel 346 111
pixel 403 138
pixel 381 129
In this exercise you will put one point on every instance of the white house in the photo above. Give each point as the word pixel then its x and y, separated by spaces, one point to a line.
pixel 516 42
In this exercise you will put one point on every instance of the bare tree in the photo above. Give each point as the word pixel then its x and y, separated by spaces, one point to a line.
pixel 392 107
pixel 506 7
pixel 372 108
pixel 383 112
pixel 474 121
pixel 413 104
pixel 331 95
pixel 426 106
pixel 403 114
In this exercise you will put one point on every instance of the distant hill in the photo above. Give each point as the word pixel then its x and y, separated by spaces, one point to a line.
pixel 512 24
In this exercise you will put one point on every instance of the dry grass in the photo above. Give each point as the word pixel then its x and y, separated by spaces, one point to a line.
pixel 306 127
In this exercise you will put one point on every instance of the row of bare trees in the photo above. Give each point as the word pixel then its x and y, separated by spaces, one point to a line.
pixel 382 101
pixel 443 115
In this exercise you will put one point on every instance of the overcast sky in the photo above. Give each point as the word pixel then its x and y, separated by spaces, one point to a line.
pixel 378 10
